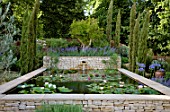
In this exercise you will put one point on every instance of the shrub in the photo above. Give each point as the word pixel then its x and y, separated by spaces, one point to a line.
pixel 52 42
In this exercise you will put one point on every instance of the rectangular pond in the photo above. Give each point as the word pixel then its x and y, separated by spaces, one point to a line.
pixel 82 82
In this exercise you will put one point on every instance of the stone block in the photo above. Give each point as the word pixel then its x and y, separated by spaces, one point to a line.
pixel 11 104
pixel 30 103
pixel 30 107
pixel 159 107
pixel 97 102
pixel 84 102
pixel 52 102
pixel 22 107
pixel 37 104
pixel 77 102
pixel 68 102
pixel 60 102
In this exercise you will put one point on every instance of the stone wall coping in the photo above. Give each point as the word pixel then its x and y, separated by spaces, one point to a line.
pixel 155 85
pixel 85 97
pixel 11 84
pixel 125 97
pixel 64 97
pixel 23 97
pixel 85 56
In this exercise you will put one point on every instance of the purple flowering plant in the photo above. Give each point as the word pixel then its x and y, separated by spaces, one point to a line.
pixel 156 65
pixel 141 68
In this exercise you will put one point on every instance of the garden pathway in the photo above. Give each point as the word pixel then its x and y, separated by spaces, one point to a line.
pixel 9 85
pixel 155 85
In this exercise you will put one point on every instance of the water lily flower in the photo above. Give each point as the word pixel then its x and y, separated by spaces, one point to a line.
pixel 101 88
pixel 23 86
pixel 140 86
pixel 46 83
pixel 121 85
pixel 105 81
pixel 54 86
pixel 50 85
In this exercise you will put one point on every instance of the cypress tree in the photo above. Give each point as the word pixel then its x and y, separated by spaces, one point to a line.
pixel 132 24
pixel 109 21
pixel 32 26
pixel 23 49
pixel 142 49
pixel 135 42
pixel 28 41
pixel 117 31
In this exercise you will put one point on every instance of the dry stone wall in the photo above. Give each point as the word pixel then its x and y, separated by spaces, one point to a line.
pixel 75 62
pixel 91 103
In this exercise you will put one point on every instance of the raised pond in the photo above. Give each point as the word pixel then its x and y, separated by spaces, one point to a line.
pixel 78 82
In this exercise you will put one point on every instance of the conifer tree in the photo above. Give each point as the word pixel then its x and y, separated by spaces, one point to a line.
pixel 132 24
pixel 135 42
pixel 28 41
pixel 109 21
pixel 23 49
pixel 142 50
pixel 117 31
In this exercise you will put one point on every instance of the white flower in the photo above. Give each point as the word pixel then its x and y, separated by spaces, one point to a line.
pixel 121 85
pixel 60 75
pixel 111 86
pixel 145 86
pixel 46 83
pixel 140 86
pixel 101 88
pixel 105 81
pixel 54 86
pixel 121 82
pixel 50 85
pixel 42 87
pixel 23 86
pixel 50 75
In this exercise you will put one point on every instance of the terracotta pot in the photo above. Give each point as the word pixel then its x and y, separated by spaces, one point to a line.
pixel 159 74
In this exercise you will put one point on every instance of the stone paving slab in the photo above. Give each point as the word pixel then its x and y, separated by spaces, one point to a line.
pixel 64 97
pixel 9 85
pixel 23 97
pixel 155 85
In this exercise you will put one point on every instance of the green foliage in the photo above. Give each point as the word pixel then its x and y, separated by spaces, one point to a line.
pixel 53 43
pixel 64 89
pixel 115 87
pixel 136 34
pixel 117 31
pixel 60 108
pixel 142 49
pixel 57 16
pixel 123 51
pixel 8 31
pixel 102 11
pixel 112 62
pixel 109 21
pixel 159 31
pixel 132 25
pixel 86 31
pixel 28 41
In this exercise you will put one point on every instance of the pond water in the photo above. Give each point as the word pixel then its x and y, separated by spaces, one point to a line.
pixel 92 82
